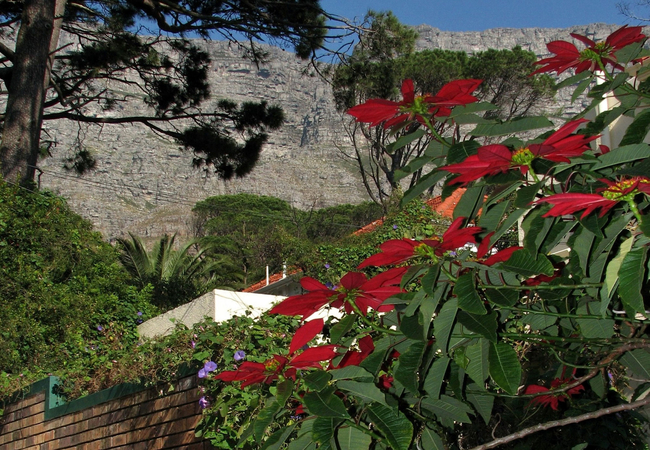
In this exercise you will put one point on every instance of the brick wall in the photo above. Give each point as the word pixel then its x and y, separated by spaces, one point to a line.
pixel 125 417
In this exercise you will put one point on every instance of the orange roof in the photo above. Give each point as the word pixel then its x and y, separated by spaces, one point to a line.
pixel 272 279
pixel 444 208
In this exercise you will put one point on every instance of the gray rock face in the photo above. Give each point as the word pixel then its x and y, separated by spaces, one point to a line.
pixel 146 184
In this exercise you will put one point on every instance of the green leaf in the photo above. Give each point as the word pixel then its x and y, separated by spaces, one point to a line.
pixel 638 361
pixel 405 140
pixel 325 404
pixel 413 327
pixel 317 379
pixel 468 298
pixel 459 152
pixel 470 203
pixel 430 440
pixel 305 442
pixel 485 325
pixel 504 367
pixel 323 431
pixel 350 438
pixel 538 321
pixel 512 127
pixel 427 181
pixel 478 355
pixel 278 439
pixel 526 195
pixel 368 392
pixel 265 417
pixel 482 401
pixel 472 108
pixel 631 276
pixel 351 373
pixel 413 165
pixel 341 328
pixel 596 328
pixel 436 376
pixel 444 322
pixel 622 155
pixel 597 385
pixel 523 263
pixel 637 130
pixel 502 297
pixel 448 408
pixel 391 423
pixel 573 80
pixel 580 89
pixel 491 218
pixel 408 367
pixel 429 279
pixel 284 391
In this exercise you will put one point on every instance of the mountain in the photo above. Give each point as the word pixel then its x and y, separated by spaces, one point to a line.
pixel 147 185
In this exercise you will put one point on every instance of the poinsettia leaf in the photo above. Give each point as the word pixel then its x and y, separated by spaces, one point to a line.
pixel 424 183
pixel 323 431
pixel 429 279
pixel 573 79
pixel 412 327
pixel 351 373
pixel 502 297
pixel 264 418
pixel 325 403
pixel 622 155
pixel 413 165
pixel 491 218
pixel 430 440
pixel 472 108
pixel 284 391
pixel 350 438
pixel 477 356
pixel 367 392
pixel 526 194
pixel 444 322
pixel 405 140
pixel 392 424
pixel 638 361
pixel 523 263
pixel 408 368
pixel 631 276
pixel 317 379
pixel 504 367
pixel 468 298
pixel 511 127
pixel 637 130
pixel 611 272
pixel 485 325
pixel 448 408
pixel 278 439
pixel 482 401
pixel 436 376
pixel 306 333
pixel 580 89
pixel 470 203
pixel 341 328
pixel 460 151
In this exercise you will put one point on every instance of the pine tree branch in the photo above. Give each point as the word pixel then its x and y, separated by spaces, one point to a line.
pixel 559 423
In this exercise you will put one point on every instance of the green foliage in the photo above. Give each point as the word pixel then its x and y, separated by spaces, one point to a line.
pixel 441 344
pixel 59 282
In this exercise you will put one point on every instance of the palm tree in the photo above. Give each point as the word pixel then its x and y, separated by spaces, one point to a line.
pixel 177 276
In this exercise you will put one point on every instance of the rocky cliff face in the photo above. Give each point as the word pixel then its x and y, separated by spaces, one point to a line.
pixel 147 185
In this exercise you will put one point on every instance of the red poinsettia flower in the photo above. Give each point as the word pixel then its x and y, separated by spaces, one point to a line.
pixel 623 190
pixel 500 256
pixel 397 251
pixel 355 357
pixel 252 372
pixel 496 158
pixel 553 399
pixel 567 56
pixel 386 382
pixel 353 287
pixel 412 107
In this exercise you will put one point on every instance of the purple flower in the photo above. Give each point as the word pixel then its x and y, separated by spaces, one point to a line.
pixel 193 344
pixel 100 328
pixel 394 227
pixel 204 402
pixel 139 313
pixel 239 355
pixel 327 266
pixel 207 368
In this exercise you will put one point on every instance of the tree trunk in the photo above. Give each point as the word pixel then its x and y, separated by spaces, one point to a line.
pixel 37 40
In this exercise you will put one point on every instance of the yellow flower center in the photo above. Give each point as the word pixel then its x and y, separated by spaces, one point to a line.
pixel 522 157
pixel 272 365
pixel 620 191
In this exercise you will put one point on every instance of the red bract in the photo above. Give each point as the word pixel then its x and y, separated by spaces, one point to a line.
pixel 307 304
pixel 355 287
pixel 567 56
pixel 252 372
pixel 412 107
pixel 496 158
pixel 354 357
pixel 397 251
pixel 622 190
pixel 553 399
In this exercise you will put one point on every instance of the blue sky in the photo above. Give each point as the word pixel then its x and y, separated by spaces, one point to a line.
pixel 478 15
